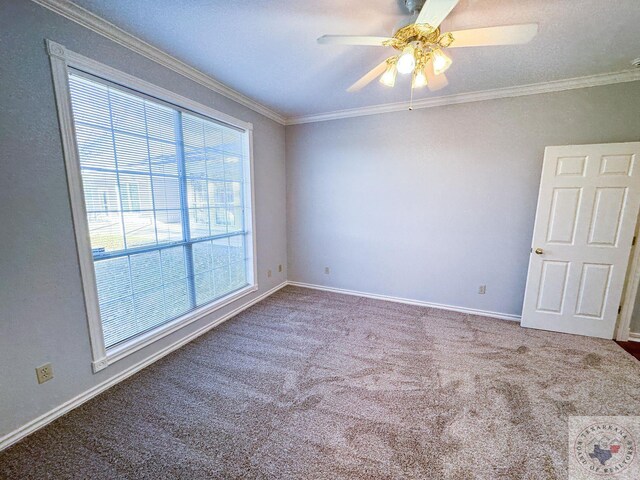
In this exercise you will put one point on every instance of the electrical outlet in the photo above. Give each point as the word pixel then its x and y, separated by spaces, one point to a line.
pixel 482 289
pixel 280 268
pixel 326 270
pixel 269 273
pixel 44 373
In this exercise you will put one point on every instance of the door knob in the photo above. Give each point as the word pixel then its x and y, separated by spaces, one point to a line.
pixel 539 251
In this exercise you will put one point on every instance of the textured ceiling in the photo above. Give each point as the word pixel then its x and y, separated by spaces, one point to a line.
pixel 267 50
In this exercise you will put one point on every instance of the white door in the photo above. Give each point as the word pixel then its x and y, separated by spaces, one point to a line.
pixel 587 210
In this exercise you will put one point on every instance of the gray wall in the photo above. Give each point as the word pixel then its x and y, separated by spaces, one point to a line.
pixel 42 315
pixel 426 204
pixel 432 203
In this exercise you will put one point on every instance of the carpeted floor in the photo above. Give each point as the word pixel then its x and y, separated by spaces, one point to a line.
pixel 314 385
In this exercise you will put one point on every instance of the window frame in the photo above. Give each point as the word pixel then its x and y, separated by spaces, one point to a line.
pixel 62 60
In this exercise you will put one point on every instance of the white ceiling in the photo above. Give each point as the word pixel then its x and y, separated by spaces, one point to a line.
pixel 267 50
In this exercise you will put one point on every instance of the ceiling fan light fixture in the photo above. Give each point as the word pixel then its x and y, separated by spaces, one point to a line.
pixel 419 78
pixel 388 78
pixel 407 60
pixel 440 61
pixel 422 42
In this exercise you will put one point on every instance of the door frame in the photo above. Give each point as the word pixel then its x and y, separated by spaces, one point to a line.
pixel 630 292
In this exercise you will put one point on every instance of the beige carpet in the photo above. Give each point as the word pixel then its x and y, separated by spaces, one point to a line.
pixel 314 385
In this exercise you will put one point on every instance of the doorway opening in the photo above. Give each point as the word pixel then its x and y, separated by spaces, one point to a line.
pixel 628 329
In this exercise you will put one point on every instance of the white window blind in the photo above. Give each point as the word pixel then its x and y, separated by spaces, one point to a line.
pixel 164 193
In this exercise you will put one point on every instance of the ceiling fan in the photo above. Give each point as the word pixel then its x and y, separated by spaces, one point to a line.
pixel 421 45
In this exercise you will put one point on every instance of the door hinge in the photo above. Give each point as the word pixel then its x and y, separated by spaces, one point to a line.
pixel 633 242
pixel 619 309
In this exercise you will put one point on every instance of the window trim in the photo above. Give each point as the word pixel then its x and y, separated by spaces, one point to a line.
pixel 61 60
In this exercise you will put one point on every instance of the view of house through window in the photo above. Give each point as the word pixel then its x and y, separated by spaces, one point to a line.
pixel 164 192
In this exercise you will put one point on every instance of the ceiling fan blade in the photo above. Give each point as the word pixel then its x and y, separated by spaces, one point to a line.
pixel 368 77
pixel 435 82
pixel 434 11
pixel 506 35
pixel 353 40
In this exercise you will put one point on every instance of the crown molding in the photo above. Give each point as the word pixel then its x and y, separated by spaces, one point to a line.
pixel 99 25
pixel 518 91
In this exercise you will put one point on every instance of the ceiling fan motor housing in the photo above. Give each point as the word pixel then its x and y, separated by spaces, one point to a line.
pixel 414 6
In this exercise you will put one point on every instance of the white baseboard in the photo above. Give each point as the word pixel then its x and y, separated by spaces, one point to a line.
pixel 78 400
pixel 634 337
pixel 453 308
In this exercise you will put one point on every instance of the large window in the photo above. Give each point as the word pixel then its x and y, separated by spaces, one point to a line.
pixel 166 193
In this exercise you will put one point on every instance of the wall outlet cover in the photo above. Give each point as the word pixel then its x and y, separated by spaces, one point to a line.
pixel 44 373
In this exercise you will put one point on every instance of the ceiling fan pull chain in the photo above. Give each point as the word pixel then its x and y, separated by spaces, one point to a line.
pixel 411 100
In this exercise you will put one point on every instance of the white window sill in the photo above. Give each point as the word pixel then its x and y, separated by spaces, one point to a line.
pixel 124 349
